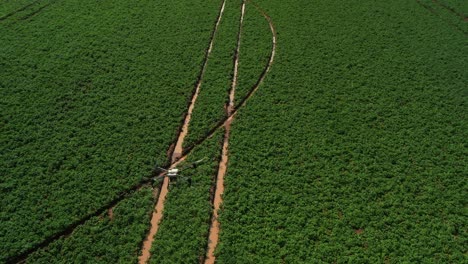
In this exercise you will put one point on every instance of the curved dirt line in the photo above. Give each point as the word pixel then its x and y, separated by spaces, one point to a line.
pixel 213 237
pixel 177 151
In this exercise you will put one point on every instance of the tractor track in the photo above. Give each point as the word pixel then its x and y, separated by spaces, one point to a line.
pixel 231 110
pixel 147 181
pixel 178 148
pixel 213 234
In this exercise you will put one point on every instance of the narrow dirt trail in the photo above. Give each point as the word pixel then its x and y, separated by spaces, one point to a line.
pixel 177 152
pixel 213 236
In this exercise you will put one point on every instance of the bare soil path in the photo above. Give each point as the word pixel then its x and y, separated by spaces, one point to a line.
pixel 213 237
pixel 177 151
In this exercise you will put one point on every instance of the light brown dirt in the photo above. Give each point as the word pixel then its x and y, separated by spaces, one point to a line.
pixel 214 228
pixel 110 212
pixel 255 88
pixel 176 158
pixel 155 218
pixel 218 199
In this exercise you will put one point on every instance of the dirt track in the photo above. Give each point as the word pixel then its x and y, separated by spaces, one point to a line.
pixel 180 155
pixel 213 236
pixel 231 111
pixel 177 152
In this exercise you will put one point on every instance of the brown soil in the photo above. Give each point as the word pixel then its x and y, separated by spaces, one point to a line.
pixel 155 218
pixel 110 212
pixel 219 190
pixel 215 225
pixel 214 228
pixel 176 157
pixel 359 231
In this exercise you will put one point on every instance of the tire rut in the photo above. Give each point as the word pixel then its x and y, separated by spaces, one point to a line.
pixel 213 235
pixel 177 150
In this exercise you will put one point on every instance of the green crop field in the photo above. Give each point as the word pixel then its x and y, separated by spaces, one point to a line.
pixel 311 131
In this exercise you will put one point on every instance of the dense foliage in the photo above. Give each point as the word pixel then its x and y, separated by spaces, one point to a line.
pixel 183 233
pixel 113 237
pixel 91 96
pixel 213 96
pixel 355 148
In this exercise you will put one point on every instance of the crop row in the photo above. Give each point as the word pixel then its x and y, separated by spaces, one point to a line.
pixel 91 96
pixel 183 232
pixel 354 149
